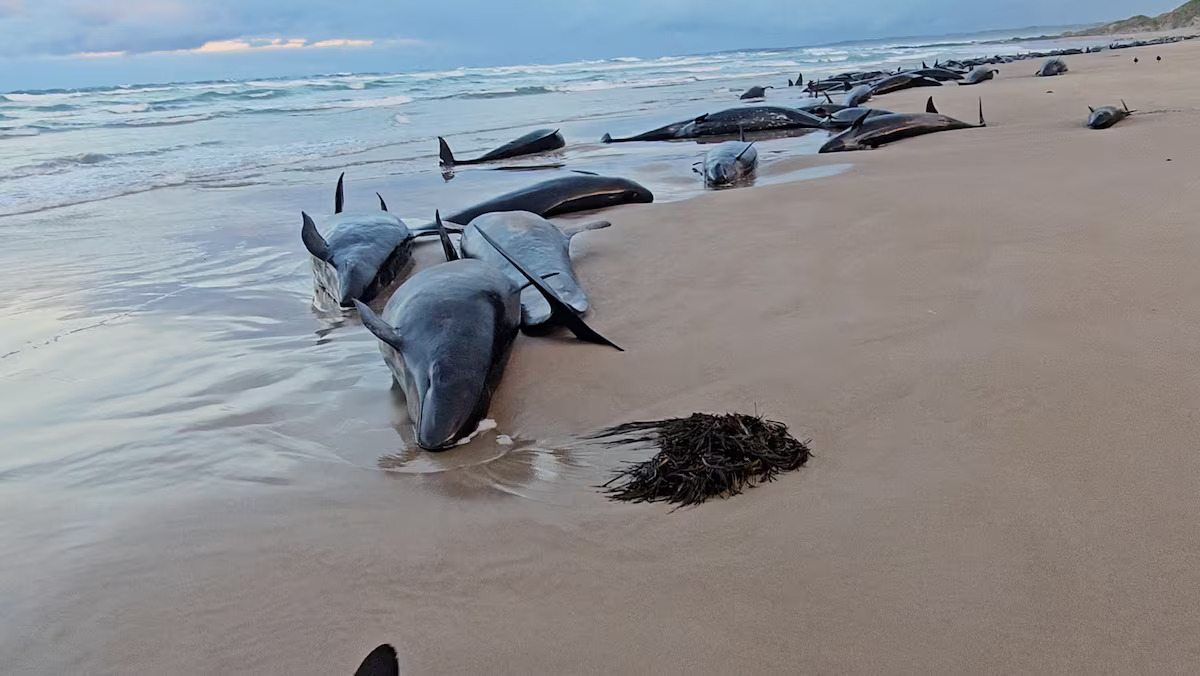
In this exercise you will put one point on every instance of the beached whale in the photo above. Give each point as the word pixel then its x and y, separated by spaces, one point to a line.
pixel 821 108
pixel 902 81
pixel 756 92
pixel 941 74
pixel 842 119
pixel 664 133
pixel 729 163
pixel 857 96
pixel 574 192
pixel 359 254
pixel 1106 116
pixel 542 246
pixel 446 334
pixel 1053 66
pixel 871 132
pixel 380 662
pixel 748 119
pixel 979 74
pixel 539 141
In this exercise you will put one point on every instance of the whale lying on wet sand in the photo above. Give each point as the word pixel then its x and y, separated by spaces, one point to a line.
pixel 1052 67
pixel 446 334
pixel 870 132
pixel 842 119
pixel 664 133
pixel 1106 116
pixel 748 119
pixel 729 163
pixel 756 92
pixel 539 141
pixel 902 81
pixel 574 192
pixel 979 74
pixel 359 254
pixel 542 246
pixel 858 96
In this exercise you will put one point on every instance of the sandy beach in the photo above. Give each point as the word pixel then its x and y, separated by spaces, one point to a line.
pixel 988 334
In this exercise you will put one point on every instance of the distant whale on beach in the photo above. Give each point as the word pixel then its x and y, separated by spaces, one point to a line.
pixel 1051 67
pixel 542 246
pixel 752 118
pixel 446 335
pixel 902 81
pixel 539 141
pixel 979 74
pixel 871 132
pixel 1106 116
pixel 857 96
pixel 574 192
pixel 756 92
pixel 359 254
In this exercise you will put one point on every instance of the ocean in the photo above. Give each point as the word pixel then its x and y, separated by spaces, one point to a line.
pixel 63 147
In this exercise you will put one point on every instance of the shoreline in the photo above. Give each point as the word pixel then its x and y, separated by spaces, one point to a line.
pixel 986 333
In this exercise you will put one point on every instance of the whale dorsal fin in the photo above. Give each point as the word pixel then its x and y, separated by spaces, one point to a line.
pixel 382 204
pixel 339 197
pixel 381 329
pixel 313 241
pixel 447 245
pixel 381 662
pixel 561 312
pixel 828 98
pixel 746 150
pixel 859 122
pixel 929 107
pixel 700 119
pixel 1091 109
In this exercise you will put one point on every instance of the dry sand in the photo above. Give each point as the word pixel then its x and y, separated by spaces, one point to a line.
pixel 991 336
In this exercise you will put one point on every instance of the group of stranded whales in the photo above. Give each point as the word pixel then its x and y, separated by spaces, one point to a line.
pixel 447 331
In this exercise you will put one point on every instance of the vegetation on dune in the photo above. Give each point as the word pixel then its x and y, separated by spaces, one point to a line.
pixel 1186 15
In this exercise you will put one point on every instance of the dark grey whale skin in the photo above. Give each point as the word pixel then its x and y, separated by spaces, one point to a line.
pixel 538 141
pixel 575 192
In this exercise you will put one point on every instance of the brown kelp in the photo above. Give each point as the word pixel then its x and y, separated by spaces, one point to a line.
pixel 702 456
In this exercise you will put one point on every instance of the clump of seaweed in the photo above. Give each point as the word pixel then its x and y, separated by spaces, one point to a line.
pixel 702 456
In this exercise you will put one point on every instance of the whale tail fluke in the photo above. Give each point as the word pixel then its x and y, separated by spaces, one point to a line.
pixel 381 662
pixel 447 157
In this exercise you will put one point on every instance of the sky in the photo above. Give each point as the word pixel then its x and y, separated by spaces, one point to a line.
pixel 70 43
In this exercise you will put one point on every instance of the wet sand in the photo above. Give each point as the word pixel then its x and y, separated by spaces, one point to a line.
pixel 988 335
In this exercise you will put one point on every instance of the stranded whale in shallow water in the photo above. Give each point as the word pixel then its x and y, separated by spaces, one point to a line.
pixel 871 132
pixel 542 247
pixel 446 335
pixel 756 92
pixel 359 254
pixel 729 163
pixel 538 141
pixel 1106 116
pixel 750 118
pixel 574 192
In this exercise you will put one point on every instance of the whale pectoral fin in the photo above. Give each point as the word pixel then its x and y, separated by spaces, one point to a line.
pixel 381 662
pixel 382 204
pixel 313 241
pixel 526 285
pixel 929 107
pixel 447 246
pixel 381 329
pixel 584 227
pixel 561 312
pixel 339 196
